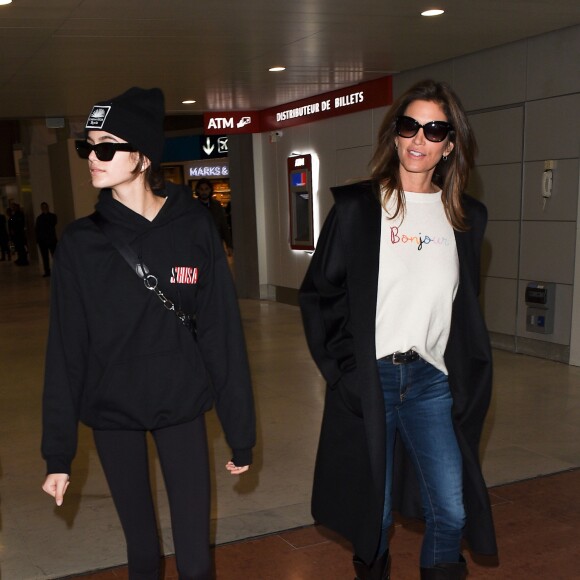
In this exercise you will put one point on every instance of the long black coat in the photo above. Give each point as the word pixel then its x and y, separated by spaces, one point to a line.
pixel 338 300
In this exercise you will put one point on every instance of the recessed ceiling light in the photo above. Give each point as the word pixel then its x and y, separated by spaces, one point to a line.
pixel 3 2
pixel 188 102
pixel 277 68
pixel 434 12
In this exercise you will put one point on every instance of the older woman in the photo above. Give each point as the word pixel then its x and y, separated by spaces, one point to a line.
pixel 392 319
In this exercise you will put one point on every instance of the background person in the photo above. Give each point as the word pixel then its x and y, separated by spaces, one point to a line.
pixel 17 232
pixel 45 232
pixel 204 192
pixel 122 363
pixel 392 319
pixel 4 239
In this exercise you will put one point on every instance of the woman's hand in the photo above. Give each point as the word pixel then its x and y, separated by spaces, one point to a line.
pixel 234 469
pixel 56 485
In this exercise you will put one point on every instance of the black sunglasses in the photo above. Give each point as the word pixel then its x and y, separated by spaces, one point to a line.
pixel 104 151
pixel 434 131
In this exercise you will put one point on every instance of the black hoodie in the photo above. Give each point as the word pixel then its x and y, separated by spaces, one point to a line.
pixel 116 358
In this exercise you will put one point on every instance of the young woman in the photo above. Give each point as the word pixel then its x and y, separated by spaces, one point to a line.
pixel 122 362
pixel 392 319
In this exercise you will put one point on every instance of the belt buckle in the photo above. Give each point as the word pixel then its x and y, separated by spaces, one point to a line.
pixel 398 361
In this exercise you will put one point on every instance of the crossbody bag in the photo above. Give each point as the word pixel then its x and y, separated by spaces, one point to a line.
pixel 150 281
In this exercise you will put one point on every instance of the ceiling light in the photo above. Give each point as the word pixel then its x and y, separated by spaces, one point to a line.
pixel 188 102
pixel 3 2
pixel 277 68
pixel 434 12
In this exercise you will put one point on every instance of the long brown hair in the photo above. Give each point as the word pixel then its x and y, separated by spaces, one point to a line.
pixel 451 174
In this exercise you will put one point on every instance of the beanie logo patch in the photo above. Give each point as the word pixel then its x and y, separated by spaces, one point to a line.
pixel 97 117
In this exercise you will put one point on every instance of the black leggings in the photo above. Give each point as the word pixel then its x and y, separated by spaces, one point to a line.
pixel 183 455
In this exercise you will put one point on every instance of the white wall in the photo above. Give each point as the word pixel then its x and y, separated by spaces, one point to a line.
pixel 344 146
pixel 523 101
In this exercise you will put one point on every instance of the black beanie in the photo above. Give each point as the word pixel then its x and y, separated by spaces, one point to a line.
pixel 135 116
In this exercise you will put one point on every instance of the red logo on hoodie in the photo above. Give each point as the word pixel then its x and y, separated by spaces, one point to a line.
pixel 183 275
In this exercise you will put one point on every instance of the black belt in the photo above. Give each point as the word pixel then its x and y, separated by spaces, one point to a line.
pixel 402 358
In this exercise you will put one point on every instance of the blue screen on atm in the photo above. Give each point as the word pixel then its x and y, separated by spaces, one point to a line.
pixel 298 178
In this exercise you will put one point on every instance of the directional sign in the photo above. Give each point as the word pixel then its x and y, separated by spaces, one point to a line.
pixel 214 146
pixel 222 145
pixel 208 147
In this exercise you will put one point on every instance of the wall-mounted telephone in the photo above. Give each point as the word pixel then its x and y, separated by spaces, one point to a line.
pixel 547 183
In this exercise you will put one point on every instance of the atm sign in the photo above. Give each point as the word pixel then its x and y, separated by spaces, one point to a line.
pixel 230 123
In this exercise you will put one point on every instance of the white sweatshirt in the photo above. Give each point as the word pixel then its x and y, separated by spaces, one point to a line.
pixel 418 279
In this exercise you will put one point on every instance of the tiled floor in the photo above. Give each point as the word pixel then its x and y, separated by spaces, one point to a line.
pixel 537 528
pixel 533 429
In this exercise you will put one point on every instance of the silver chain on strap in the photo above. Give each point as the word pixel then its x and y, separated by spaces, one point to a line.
pixel 150 281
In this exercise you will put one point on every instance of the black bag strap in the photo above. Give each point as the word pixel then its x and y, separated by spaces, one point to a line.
pixel 150 281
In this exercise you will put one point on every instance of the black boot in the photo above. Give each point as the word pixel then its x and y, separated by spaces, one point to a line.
pixel 380 569
pixel 447 571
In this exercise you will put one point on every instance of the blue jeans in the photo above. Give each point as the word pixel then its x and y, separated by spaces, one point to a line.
pixel 418 405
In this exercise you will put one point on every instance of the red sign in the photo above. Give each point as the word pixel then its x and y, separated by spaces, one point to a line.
pixel 231 122
pixel 361 97
pixel 368 95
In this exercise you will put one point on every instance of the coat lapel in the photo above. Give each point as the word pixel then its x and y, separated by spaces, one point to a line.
pixel 361 219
